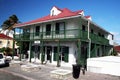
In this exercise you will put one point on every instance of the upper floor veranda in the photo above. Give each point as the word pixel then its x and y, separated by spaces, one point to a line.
pixel 65 29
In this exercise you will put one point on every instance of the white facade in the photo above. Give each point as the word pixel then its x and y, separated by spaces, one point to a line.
pixel 69 24
pixel 54 11
pixel 110 38
pixel 74 28
pixel 104 65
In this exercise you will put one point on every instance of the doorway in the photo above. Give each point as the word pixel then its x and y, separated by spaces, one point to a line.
pixel 83 56
pixel 49 53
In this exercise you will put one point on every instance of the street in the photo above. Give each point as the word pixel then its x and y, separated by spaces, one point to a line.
pixel 9 76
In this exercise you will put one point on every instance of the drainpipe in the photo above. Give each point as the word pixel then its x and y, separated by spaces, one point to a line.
pixel 89 54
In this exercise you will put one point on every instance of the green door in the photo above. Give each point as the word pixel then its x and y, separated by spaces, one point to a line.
pixel 66 54
pixel 55 54
pixel 83 57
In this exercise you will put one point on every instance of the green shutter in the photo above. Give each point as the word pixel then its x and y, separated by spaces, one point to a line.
pixel 55 52
pixel 66 52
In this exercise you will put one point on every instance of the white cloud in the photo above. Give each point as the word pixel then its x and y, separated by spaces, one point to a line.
pixel 115 33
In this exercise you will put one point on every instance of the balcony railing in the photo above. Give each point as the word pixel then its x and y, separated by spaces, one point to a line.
pixel 67 34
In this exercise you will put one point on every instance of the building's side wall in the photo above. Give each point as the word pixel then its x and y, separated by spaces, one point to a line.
pixel 76 24
pixel 4 43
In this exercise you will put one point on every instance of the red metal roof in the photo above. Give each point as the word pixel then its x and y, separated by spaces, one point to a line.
pixel 87 16
pixel 3 36
pixel 64 13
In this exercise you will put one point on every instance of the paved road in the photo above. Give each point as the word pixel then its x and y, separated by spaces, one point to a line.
pixel 9 76
pixel 44 74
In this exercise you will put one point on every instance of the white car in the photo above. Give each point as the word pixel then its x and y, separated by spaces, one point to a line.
pixel 3 60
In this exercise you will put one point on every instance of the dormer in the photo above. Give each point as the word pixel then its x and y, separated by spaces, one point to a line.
pixel 55 11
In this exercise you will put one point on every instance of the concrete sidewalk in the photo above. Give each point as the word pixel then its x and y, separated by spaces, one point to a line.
pixel 43 72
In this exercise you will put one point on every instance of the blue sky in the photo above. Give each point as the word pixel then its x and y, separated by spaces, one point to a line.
pixel 105 13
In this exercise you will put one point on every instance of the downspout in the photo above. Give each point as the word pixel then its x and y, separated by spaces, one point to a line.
pixel 89 54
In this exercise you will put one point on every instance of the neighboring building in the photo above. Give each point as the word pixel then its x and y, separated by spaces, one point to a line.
pixel 63 37
pixel 117 49
pixel 6 41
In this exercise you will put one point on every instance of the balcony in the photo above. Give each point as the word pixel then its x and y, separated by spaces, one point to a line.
pixel 67 34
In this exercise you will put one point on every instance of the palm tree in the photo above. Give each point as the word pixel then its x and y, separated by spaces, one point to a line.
pixel 5 25
pixel 13 20
pixel 8 24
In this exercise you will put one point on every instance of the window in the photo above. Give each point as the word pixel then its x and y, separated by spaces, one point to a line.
pixel 26 30
pixel 112 37
pixel 26 33
pixel 9 42
pixel 52 12
pixel 0 42
pixel 48 29
pixel 1 56
pixel 59 28
pixel 63 54
pixel 99 34
pixel 103 35
pixel 37 30
pixel 83 27
pixel 92 31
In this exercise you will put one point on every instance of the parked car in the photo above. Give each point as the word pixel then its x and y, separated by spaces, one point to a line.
pixel 3 60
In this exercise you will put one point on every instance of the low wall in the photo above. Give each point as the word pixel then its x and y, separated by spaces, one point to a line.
pixel 106 65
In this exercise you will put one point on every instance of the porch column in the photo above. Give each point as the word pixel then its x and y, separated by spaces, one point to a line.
pixel 20 50
pixel 13 49
pixel 58 53
pixel 79 52
pixel 42 54
pixel 45 53
pixel 13 44
pixel 104 50
pixel 108 50
pixel 96 50
pixel 30 46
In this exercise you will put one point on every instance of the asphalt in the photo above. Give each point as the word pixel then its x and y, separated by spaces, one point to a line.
pixel 43 73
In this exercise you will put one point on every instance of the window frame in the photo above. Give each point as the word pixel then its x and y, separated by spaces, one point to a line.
pixel 37 30
pixel 58 29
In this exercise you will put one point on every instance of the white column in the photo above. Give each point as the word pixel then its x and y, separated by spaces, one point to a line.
pixel 28 54
pixel 45 53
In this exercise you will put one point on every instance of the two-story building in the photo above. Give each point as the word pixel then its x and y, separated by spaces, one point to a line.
pixel 63 38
